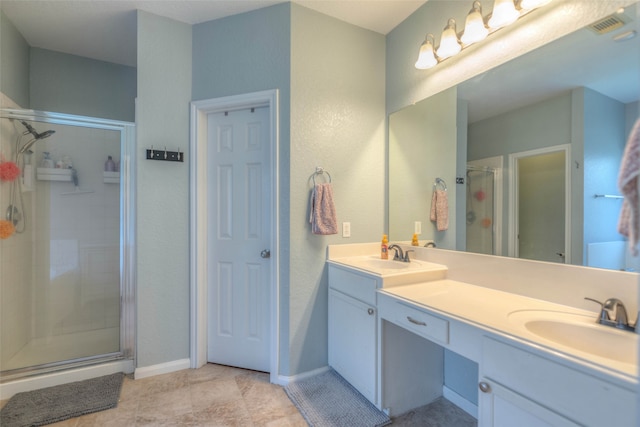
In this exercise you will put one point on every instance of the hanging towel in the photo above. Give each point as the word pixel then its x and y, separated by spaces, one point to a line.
pixel 440 209
pixel 629 223
pixel 323 212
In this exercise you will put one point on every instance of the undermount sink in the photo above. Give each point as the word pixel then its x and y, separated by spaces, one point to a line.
pixel 580 332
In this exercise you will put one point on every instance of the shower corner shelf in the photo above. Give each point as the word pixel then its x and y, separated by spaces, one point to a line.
pixel 111 177
pixel 53 174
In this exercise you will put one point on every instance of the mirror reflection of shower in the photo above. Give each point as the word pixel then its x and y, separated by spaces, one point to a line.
pixel 480 215
pixel 15 212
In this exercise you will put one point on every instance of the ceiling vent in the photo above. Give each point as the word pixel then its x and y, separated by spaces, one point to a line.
pixel 609 23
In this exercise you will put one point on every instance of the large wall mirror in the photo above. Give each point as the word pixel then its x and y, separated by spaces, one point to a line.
pixel 529 151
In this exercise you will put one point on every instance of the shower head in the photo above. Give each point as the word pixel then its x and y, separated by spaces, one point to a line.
pixel 45 134
pixel 36 136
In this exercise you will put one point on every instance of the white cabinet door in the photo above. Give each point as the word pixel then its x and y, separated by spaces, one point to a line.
pixel 557 394
pixel 352 342
pixel 501 407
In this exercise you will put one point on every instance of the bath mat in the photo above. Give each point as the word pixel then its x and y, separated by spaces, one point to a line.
pixel 58 403
pixel 328 400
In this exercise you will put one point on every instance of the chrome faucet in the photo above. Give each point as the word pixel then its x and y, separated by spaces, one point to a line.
pixel 614 314
pixel 399 255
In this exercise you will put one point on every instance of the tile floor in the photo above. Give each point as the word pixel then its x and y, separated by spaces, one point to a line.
pixel 216 396
pixel 213 395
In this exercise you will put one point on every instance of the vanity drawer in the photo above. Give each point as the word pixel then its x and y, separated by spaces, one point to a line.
pixel 414 319
pixel 355 285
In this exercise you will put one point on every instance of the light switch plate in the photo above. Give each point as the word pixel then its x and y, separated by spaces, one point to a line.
pixel 417 227
pixel 346 229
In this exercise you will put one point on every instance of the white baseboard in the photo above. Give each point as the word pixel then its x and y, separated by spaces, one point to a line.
pixel 460 402
pixel 284 380
pixel 10 388
pixel 162 368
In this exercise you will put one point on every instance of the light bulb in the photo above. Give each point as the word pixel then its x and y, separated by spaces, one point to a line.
pixel 504 13
pixel 449 44
pixel 426 57
pixel 533 4
pixel 474 29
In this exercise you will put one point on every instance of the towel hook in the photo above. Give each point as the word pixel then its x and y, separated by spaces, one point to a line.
pixel 440 182
pixel 319 171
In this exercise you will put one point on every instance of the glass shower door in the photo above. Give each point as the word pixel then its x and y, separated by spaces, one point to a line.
pixel 480 215
pixel 62 270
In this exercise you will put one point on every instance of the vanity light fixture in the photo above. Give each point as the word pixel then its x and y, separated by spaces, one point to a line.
pixel 426 57
pixel 449 43
pixel 474 29
pixel 504 13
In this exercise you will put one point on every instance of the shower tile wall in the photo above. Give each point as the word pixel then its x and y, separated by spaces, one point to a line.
pixel 16 255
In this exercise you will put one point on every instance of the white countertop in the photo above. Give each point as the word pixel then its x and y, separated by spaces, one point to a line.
pixel 499 312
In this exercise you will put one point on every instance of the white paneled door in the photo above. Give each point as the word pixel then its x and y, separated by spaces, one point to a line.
pixel 239 177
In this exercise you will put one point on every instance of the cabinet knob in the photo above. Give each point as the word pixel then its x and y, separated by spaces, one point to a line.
pixel 484 387
pixel 370 311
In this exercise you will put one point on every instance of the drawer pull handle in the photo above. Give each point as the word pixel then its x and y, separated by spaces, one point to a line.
pixel 416 322
pixel 370 311
pixel 484 387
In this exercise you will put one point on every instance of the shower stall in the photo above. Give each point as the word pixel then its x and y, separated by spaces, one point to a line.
pixel 482 214
pixel 66 250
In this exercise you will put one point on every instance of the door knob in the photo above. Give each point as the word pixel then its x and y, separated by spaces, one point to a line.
pixel 484 387
pixel 266 253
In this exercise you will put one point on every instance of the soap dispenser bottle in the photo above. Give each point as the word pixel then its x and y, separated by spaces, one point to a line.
pixel 109 165
pixel 414 240
pixel 384 247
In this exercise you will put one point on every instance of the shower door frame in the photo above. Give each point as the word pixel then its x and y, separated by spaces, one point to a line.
pixel 127 351
pixel 496 165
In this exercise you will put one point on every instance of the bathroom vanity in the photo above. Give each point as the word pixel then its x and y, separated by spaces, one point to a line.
pixel 541 361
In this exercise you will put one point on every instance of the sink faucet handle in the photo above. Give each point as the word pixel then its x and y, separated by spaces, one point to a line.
pixel 604 314
pixel 616 307
pixel 406 255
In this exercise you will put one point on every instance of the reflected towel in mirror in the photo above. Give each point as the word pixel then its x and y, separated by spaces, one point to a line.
pixel 323 211
pixel 440 209
pixel 629 223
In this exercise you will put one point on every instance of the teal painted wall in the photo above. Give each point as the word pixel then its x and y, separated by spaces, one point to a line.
pixel 76 85
pixel 247 53
pixel 14 63
pixel 337 122
pixel 604 143
pixel 422 147
pixel 164 93
pixel 331 80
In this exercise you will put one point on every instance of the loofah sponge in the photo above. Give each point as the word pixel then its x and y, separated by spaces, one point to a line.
pixel 6 229
pixel 9 171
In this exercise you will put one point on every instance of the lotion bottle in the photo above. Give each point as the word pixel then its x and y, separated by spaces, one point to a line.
pixel 384 247
pixel 414 240
pixel 109 165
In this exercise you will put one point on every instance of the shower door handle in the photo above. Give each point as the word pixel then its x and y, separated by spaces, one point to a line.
pixel 266 253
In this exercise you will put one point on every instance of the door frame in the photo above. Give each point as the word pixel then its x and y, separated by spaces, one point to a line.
pixel 513 197
pixel 198 218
